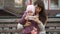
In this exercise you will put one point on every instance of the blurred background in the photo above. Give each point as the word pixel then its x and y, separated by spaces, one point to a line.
pixel 12 10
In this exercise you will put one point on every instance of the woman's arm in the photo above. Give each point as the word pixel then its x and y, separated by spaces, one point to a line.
pixel 40 24
pixel 42 27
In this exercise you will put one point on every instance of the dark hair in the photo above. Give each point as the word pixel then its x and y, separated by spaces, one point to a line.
pixel 42 13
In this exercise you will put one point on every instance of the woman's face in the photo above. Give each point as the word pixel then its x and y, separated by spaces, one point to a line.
pixel 37 9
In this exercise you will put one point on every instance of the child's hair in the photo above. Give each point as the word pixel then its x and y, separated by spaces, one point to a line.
pixel 30 7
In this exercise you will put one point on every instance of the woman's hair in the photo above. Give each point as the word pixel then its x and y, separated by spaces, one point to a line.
pixel 42 14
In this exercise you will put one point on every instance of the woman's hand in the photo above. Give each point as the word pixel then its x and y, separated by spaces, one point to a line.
pixel 36 19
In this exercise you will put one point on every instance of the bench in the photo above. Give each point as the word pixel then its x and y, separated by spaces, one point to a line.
pixel 53 25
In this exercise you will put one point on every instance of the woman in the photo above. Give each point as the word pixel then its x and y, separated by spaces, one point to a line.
pixel 40 12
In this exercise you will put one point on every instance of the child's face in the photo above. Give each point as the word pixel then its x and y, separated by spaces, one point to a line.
pixel 30 13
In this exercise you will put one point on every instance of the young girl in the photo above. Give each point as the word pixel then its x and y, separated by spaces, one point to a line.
pixel 30 14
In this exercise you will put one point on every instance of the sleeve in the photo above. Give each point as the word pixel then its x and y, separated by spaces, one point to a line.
pixel 19 26
pixel 41 26
pixel 43 32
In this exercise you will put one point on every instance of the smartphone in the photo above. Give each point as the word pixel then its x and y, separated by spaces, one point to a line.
pixel 30 17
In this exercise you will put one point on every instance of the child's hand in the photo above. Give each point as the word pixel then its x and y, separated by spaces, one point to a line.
pixel 27 24
pixel 26 18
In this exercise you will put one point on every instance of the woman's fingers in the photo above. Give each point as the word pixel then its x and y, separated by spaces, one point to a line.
pixel 35 18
